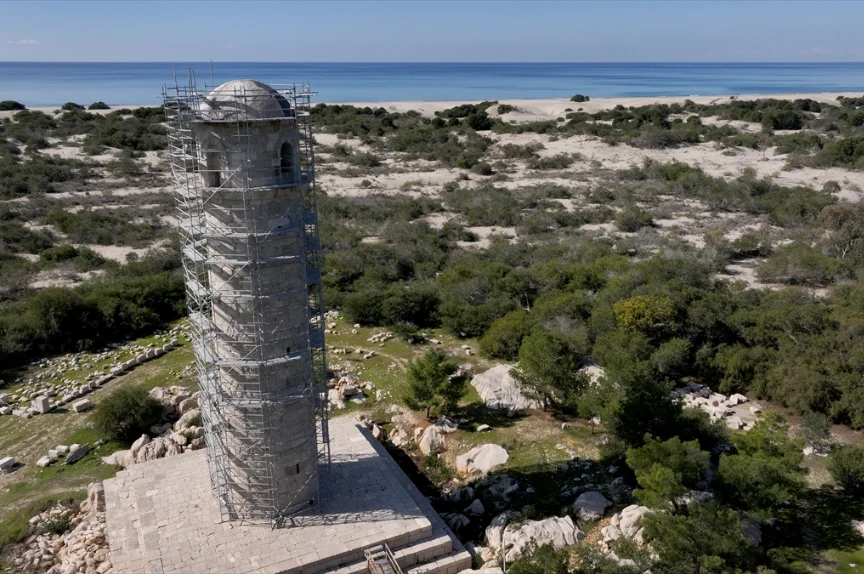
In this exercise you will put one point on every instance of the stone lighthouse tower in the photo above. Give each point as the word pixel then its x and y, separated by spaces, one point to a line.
pixel 243 169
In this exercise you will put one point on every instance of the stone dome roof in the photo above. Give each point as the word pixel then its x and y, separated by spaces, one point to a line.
pixel 245 99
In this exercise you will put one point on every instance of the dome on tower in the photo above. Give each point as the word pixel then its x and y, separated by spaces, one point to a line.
pixel 245 99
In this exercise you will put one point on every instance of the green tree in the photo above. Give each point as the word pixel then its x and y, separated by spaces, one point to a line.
pixel 431 384
pixel 766 469
pixel 666 470
pixel 844 231
pixel 708 539
pixel 506 334
pixel 643 313
pixel 847 468
pixel 644 407
pixel 548 370
pixel 127 413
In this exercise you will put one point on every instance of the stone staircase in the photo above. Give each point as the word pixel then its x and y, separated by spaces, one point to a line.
pixel 438 553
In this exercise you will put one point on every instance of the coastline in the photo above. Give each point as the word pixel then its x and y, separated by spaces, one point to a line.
pixel 533 109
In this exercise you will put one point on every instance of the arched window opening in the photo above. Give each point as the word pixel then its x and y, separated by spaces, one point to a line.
pixel 286 163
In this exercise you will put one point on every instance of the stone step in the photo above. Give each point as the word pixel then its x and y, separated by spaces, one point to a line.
pixel 455 562
pixel 423 551
pixel 408 556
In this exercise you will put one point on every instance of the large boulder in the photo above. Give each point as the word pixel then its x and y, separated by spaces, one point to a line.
pixel 629 520
pixel 432 439
pixel 591 505
pixel 123 458
pixel 559 532
pixel 481 459
pixel 96 497
pixel 185 422
pixel 142 441
pixel 498 389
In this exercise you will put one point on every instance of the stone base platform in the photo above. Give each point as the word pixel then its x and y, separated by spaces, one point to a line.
pixel 161 517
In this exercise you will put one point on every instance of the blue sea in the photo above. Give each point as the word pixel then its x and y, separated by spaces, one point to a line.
pixel 53 83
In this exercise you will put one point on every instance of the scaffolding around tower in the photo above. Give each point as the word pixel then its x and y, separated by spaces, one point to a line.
pixel 243 167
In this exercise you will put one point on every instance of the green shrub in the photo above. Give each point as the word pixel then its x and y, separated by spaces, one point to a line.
pixel 127 413
pixel 504 336
pixel 560 161
pixel 782 120
pixel 363 160
pixel 15 238
pixel 847 468
pixel 11 106
pixel 505 108
pixel 71 107
pixel 579 98
pixel 57 525
pixel 480 121
pixel 98 106
pixel 516 151
pixel 81 258
pixel 482 168
pixel 801 264
pixel 633 219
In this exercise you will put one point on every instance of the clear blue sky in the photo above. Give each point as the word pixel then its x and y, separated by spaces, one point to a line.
pixel 437 31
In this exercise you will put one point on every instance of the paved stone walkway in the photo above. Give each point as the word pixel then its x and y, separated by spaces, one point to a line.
pixel 161 516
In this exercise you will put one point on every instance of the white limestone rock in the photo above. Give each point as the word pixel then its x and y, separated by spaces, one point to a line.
pixel 122 458
pixel 434 436
pixel 591 506
pixel 82 405
pixel 184 422
pixel 630 519
pixel 143 441
pixel 187 405
pixel 498 389
pixel 557 531
pixel 481 459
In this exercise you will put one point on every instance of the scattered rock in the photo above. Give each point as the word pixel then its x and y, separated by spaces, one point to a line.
pixel 185 422
pixel 476 507
pixel 82 405
pixel 6 464
pixel 77 454
pixel 456 521
pixel 483 428
pixel 591 506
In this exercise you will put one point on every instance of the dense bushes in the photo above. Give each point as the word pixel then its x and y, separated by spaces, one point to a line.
pixel 102 228
pixel 131 300
pixel 11 105
pixel 127 413
pixel 847 469
pixel 80 258
pixel 39 174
